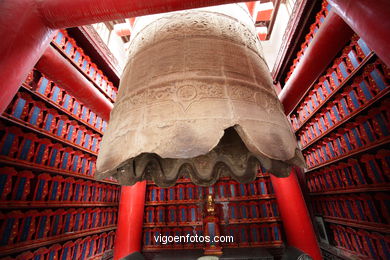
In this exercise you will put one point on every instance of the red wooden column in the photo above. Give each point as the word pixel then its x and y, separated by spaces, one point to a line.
pixel 332 36
pixel 24 38
pixel 62 72
pixel 370 20
pixel 130 219
pixel 295 216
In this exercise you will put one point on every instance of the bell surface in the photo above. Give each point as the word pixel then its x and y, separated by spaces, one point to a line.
pixel 196 98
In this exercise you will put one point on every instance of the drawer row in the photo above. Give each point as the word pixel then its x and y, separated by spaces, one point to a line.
pixel 335 76
pixel 50 92
pixel 90 247
pixel 192 213
pixel 28 147
pixel 17 227
pixel 221 190
pixel 18 186
pixel 361 207
pixel 372 245
pixel 69 47
pixel 364 131
pixel 365 171
pixel 351 99
pixel 38 116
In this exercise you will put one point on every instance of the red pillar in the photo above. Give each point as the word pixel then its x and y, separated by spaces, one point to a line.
pixel 295 216
pixel 63 73
pixel 332 36
pixel 24 38
pixel 370 20
pixel 130 219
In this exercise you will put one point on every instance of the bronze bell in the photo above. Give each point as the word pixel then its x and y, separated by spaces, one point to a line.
pixel 196 98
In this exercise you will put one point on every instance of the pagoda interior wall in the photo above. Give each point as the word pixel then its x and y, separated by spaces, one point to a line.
pixel 51 205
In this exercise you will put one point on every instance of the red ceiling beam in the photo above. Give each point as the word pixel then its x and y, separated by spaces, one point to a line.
pixel 370 20
pixel 63 14
pixel 333 34
pixel 63 73
pixel 26 28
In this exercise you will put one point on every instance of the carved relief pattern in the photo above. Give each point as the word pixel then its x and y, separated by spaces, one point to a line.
pixel 187 93
pixel 137 99
pixel 186 22
pixel 242 93
pixel 229 30
pixel 211 91
pixel 195 23
pixel 269 103
pixel 144 39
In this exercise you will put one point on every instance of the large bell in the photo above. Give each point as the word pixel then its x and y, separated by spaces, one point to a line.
pixel 196 99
